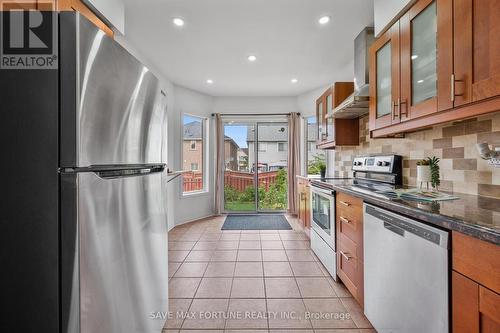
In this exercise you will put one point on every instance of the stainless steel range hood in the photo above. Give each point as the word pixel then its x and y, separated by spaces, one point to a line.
pixel 356 105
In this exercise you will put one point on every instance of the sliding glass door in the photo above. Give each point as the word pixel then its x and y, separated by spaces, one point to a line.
pixel 256 157
pixel 272 161
pixel 239 178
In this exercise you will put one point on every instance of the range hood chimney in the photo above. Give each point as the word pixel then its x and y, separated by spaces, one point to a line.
pixel 356 105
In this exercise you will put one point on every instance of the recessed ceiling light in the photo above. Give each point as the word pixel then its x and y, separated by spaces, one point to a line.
pixel 324 19
pixel 178 21
pixel 210 81
pixel 294 80
pixel 252 58
pixel 420 81
pixel 413 57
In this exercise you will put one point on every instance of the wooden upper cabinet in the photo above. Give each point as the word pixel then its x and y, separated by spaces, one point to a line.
pixel 334 132
pixel 79 6
pixel 444 66
pixel 426 59
pixel 476 50
pixel 411 65
pixel 385 78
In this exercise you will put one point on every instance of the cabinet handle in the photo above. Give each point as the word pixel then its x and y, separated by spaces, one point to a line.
pixel 344 203
pixel 343 219
pixel 399 108
pixel 394 115
pixel 302 196
pixel 453 94
pixel 347 256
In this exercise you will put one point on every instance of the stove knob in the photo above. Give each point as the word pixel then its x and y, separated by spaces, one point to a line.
pixel 386 163
pixel 379 163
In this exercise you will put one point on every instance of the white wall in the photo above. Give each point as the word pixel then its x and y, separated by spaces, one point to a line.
pixel 112 11
pixel 386 10
pixel 255 104
pixel 195 206
pixel 306 103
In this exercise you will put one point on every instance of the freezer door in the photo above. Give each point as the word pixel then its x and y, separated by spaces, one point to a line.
pixel 123 252
pixel 112 106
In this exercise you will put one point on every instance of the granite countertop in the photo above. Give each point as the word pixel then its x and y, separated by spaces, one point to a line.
pixel 473 215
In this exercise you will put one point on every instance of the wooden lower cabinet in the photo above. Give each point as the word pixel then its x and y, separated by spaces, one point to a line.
pixel 475 309
pixel 349 238
pixel 304 202
pixel 475 285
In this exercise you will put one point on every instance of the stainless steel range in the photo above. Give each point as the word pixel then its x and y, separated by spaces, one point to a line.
pixel 373 174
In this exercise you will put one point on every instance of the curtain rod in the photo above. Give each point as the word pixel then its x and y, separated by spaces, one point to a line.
pixel 253 114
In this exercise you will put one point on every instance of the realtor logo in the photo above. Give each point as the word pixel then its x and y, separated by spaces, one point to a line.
pixel 28 36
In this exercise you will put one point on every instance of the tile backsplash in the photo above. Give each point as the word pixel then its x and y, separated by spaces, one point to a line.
pixel 462 170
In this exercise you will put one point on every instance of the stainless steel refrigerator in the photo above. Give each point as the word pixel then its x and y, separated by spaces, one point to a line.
pixel 86 229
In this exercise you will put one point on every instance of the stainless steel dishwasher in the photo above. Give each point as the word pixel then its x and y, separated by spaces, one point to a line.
pixel 405 273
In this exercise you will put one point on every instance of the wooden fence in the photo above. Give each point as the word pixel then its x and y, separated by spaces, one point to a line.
pixel 193 181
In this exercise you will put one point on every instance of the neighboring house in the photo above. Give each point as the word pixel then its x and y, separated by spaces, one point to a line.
pixel 312 130
pixel 272 149
pixel 231 149
pixel 192 149
pixel 243 159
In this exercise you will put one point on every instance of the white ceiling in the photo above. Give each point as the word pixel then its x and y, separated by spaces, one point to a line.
pixel 219 35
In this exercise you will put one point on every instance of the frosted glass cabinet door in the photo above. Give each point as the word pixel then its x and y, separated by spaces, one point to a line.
pixel 329 121
pixel 320 120
pixel 384 81
pixel 424 55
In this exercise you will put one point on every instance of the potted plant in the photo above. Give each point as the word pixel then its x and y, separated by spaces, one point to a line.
pixel 322 170
pixel 428 172
pixel 434 166
pixel 423 173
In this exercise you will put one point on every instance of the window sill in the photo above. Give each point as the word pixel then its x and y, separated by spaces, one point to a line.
pixel 194 194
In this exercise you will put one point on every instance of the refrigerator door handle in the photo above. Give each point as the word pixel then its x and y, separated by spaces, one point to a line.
pixel 117 171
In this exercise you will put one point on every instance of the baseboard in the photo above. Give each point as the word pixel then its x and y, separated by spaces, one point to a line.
pixel 199 219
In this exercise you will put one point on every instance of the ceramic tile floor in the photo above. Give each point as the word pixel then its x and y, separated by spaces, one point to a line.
pixel 253 281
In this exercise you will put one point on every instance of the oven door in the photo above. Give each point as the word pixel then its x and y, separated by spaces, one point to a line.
pixel 323 214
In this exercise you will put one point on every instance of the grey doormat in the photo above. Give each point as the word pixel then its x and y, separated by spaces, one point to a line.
pixel 256 222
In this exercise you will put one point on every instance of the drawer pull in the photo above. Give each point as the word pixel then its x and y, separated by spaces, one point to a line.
pixel 344 203
pixel 343 219
pixel 347 256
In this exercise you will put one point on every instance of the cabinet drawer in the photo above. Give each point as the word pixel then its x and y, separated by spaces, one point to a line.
pixel 347 203
pixel 489 307
pixel 351 227
pixel 349 256
pixel 349 267
pixel 477 259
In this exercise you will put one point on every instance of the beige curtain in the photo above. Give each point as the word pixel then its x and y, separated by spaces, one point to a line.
pixel 219 163
pixel 293 160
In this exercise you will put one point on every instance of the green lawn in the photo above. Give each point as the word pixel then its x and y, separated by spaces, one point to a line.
pixel 247 206
pixel 240 206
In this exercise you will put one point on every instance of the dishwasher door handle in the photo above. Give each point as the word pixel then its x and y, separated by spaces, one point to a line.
pixel 394 229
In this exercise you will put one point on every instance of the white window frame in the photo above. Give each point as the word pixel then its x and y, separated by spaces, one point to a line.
pixel 205 153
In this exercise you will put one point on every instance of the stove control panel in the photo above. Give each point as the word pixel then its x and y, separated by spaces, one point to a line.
pixel 383 164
